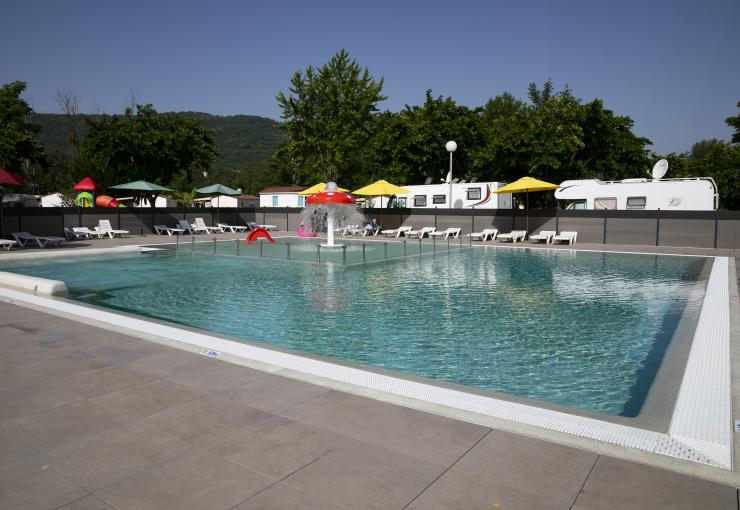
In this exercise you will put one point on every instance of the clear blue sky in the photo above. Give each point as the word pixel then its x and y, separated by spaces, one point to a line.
pixel 673 67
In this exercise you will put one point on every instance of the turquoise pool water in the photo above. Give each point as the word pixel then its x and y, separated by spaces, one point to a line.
pixel 574 328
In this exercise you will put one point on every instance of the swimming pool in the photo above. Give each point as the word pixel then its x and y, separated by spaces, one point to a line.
pixel 579 329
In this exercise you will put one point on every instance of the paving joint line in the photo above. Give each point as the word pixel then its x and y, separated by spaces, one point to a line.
pixel 447 469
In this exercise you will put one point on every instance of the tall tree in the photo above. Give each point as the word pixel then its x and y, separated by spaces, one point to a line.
pixel 328 117
pixel 409 147
pixel 145 145
pixel 734 122
pixel 20 151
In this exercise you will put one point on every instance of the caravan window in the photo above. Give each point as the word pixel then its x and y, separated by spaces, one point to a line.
pixel 420 200
pixel 473 193
pixel 636 202
pixel 605 203
pixel 579 204
pixel 439 199
pixel 274 201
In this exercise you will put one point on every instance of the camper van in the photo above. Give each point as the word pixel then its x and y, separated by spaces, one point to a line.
pixel 683 194
pixel 455 195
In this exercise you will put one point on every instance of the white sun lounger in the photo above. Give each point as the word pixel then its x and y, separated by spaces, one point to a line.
pixel 164 229
pixel 23 238
pixel 200 226
pixel 232 228
pixel 347 229
pixel 484 234
pixel 7 244
pixel 185 226
pixel 396 232
pixel 452 231
pixel 565 237
pixel 513 236
pixel 421 232
pixel 105 227
pixel 544 236
pixel 252 225
pixel 71 234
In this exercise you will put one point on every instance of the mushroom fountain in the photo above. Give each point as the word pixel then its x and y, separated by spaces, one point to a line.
pixel 332 201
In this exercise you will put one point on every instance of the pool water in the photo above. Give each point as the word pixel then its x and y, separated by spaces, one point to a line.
pixel 581 329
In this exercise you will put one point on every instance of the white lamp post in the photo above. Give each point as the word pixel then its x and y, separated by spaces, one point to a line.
pixel 451 147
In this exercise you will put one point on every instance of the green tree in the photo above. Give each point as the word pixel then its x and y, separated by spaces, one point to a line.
pixel 409 147
pixel 164 149
pixel 20 151
pixel 703 148
pixel 328 117
pixel 734 122
pixel 610 150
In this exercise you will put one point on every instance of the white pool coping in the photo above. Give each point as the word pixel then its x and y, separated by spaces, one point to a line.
pixel 700 430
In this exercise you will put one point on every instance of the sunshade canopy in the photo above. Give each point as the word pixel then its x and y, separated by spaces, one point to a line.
pixel 318 188
pixel 380 188
pixel 9 178
pixel 86 184
pixel 527 184
pixel 141 186
pixel 217 189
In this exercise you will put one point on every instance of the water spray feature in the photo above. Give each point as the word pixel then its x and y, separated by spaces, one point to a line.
pixel 336 206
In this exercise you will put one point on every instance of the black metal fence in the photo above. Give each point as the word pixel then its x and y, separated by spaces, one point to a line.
pixel 701 229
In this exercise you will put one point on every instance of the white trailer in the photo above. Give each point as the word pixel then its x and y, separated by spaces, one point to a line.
pixel 455 195
pixel 683 194
pixel 690 194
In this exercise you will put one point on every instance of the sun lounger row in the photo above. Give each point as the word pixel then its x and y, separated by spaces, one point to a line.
pixel 545 236
pixel 199 227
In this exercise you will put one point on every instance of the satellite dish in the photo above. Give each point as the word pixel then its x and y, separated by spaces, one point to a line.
pixel 660 169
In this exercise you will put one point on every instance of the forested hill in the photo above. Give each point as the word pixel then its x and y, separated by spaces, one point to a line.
pixel 242 141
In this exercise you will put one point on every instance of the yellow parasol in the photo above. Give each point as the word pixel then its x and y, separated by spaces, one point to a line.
pixel 525 185
pixel 318 188
pixel 381 188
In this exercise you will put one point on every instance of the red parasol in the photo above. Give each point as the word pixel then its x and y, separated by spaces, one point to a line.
pixel 86 184
pixel 9 178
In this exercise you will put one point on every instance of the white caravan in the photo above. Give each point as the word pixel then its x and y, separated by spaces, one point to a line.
pixel 683 194
pixel 464 195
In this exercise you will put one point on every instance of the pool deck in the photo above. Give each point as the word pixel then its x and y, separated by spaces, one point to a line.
pixel 94 419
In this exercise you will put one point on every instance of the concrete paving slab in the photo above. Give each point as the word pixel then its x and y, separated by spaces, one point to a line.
pixel 215 377
pixel 192 480
pixel 66 363
pixel 515 461
pixel 98 460
pixel 87 503
pixel 616 483
pixel 480 492
pixel 31 397
pixel 272 393
pixel 57 426
pixel 27 483
pixel 277 446
pixel 168 362
pixel 400 429
pixel 106 380
pixel 205 420
pixel 366 476
pixel 282 496
pixel 148 398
